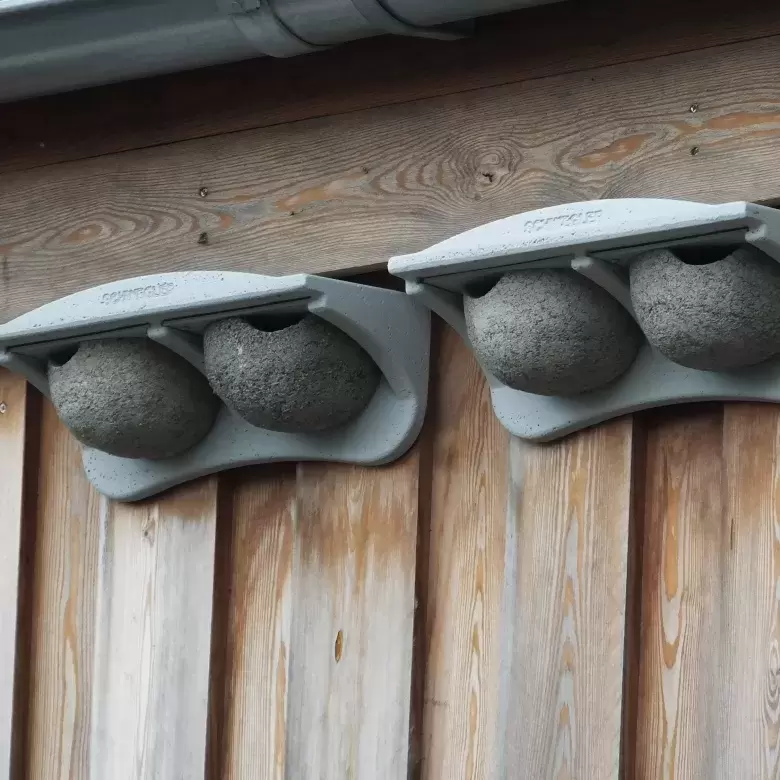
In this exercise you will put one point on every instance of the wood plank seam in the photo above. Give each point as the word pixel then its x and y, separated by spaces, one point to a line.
pixel 634 572
pixel 218 709
pixel 420 637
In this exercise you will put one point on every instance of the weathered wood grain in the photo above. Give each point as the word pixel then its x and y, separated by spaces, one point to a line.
pixel 342 193
pixel 749 744
pixel 463 694
pixel 526 591
pixel 367 74
pixel 64 604
pixel 153 636
pixel 250 712
pixel 564 620
pixel 349 685
pixel 677 733
pixel 708 704
pixel 319 635
pixel 13 403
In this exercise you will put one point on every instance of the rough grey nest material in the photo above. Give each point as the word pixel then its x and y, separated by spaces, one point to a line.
pixel 718 316
pixel 132 398
pixel 551 332
pixel 309 376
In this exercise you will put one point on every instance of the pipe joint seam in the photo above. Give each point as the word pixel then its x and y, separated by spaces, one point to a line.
pixel 378 15
pixel 258 23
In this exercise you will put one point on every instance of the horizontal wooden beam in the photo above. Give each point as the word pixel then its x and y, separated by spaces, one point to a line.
pixel 341 194
pixel 535 43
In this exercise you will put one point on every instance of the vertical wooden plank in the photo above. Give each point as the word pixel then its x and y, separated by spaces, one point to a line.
pixel 572 508
pixel 13 402
pixel 251 713
pixel 64 591
pixel 353 615
pixel 710 690
pixel 680 683
pixel 749 714
pixel 321 610
pixel 526 593
pixel 153 636
pixel 466 571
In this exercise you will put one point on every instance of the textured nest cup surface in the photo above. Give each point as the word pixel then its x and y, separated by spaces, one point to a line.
pixel 132 398
pixel 551 332
pixel 307 377
pixel 719 316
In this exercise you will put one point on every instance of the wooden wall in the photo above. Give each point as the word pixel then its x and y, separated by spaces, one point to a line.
pixel 602 607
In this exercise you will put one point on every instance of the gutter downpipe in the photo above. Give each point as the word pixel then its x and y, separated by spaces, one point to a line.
pixel 57 45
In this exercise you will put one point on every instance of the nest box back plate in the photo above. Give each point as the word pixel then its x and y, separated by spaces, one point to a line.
pixel 175 309
pixel 599 240
pixel 598 228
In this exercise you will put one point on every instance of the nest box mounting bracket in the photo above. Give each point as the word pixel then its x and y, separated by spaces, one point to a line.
pixel 599 240
pixel 174 310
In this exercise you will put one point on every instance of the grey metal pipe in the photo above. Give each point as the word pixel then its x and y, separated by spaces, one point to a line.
pixel 57 45
pixel 328 22
pixel 17 6
pixel 433 12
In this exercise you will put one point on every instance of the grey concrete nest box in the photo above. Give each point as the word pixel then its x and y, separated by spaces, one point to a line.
pixel 715 316
pixel 558 332
pixel 132 398
pixel 125 365
pixel 551 332
pixel 307 376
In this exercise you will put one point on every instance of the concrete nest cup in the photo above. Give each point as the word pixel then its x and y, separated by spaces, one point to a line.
pixel 132 398
pixel 306 377
pixel 714 316
pixel 551 332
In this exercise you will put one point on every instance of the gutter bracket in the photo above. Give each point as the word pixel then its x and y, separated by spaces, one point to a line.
pixel 378 15
pixel 260 25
